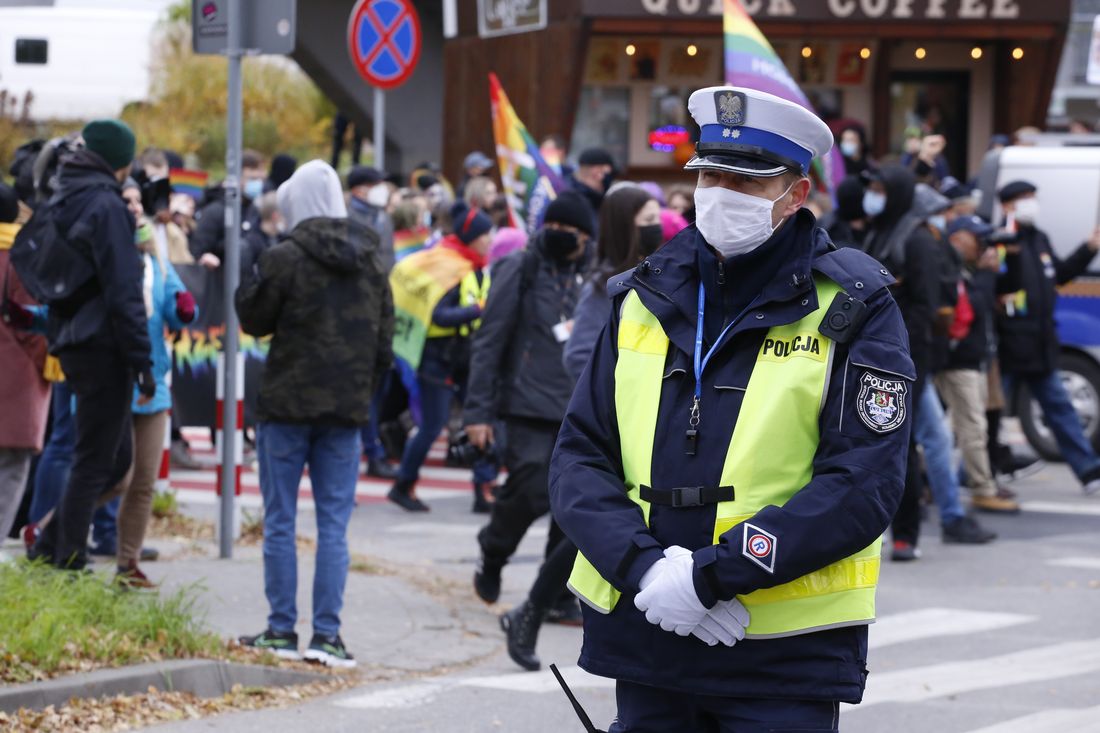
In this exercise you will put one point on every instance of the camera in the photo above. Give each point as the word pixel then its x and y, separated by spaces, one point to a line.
pixel 464 454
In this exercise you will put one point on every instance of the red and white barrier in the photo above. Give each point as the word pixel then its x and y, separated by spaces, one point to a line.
pixel 238 432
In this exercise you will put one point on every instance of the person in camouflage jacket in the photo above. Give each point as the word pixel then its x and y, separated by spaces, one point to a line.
pixel 322 294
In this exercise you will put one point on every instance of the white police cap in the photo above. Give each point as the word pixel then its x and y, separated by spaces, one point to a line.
pixel 754 133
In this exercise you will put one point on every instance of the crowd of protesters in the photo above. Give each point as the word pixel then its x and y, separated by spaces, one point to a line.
pixel 438 313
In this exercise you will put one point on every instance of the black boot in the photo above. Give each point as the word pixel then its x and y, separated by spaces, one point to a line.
pixel 483 498
pixel 487 579
pixel 401 495
pixel 521 626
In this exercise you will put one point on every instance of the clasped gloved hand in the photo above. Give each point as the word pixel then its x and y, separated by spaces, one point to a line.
pixel 668 599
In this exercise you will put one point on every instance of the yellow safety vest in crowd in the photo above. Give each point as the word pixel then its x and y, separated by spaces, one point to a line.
pixel 770 458
pixel 470 292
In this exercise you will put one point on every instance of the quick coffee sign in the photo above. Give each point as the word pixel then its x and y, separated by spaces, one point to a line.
pixel 812 10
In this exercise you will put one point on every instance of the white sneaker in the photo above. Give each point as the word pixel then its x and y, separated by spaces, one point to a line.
pixel 1092 487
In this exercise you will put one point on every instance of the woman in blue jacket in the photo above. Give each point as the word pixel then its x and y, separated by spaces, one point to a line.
pixel 167 305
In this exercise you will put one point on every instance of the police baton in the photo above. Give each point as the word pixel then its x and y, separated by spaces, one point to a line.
pixel 585 720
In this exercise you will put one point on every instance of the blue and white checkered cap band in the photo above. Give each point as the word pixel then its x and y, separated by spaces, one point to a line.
pixel 754 142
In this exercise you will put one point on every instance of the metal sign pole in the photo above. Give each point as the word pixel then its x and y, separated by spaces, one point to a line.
pixel 379 129
pixel 231 269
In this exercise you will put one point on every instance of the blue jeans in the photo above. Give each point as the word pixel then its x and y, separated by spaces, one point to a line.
pixel 435 408
pixel 1050 393
pixel 332 454
pixel 52 475
pixel 105 527
pixel 930 431
pixel 372 446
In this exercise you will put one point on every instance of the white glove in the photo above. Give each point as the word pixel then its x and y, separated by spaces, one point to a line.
pixel 668 599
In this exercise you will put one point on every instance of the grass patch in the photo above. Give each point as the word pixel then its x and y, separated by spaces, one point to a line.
pixel 54 622
pixel 165 504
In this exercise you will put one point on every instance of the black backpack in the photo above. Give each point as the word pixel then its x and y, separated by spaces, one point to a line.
pixel 55 265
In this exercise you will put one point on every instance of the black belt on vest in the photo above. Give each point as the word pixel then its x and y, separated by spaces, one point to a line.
pixel 687 495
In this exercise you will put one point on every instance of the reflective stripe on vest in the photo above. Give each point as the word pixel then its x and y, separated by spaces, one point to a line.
pixel 770 458
pixel 470 292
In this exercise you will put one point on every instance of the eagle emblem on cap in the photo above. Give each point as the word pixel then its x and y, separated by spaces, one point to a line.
pixel 730 107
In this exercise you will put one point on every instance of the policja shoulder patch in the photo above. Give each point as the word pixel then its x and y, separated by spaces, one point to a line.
pixel 881 402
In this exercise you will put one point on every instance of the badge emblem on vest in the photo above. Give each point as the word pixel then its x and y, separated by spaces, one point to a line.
pixel 759 546
pixel 881 403
pixel 731 107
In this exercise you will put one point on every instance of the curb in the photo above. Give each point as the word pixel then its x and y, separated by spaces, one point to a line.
pixel 201 677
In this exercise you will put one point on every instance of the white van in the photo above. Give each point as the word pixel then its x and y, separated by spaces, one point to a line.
pixel 1066 171
pixel 79 58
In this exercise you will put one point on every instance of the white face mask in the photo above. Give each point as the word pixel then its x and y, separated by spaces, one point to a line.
pixel 1027 211
pixel 939 222
pixel 379 196
pixel 849 149
pixel 734 223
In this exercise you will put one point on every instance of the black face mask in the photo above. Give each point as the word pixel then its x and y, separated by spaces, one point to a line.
pixel 650 237
pixel 608 179
pixel 560 244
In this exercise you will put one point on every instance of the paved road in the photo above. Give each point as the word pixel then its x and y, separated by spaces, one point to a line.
pixel 1003 638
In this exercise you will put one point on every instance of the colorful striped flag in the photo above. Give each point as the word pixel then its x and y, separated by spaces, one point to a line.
pixel 410 241
pixel 190 182
pixel 529 183
pixel 752 62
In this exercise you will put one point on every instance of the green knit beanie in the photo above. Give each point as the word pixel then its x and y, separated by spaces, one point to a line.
pixel 112 140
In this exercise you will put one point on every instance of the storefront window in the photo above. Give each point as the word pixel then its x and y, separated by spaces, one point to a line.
pixel 603 121
pixel 924 103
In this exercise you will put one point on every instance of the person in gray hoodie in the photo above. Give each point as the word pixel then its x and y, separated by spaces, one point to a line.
pixel 323 294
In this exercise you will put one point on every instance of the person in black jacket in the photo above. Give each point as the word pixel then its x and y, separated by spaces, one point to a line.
pixel 899 239
pixel 517 376
pixel 102 342
pixel 962 381
pixel 1028 336
pixel 592 178
pixel 208 239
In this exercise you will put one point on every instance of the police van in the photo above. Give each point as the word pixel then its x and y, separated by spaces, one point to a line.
pixel 1066 170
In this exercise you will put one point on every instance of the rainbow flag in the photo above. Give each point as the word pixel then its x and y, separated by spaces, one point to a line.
pixel 410 241
pixel 530 184
pixel 752 62
pixel 190 182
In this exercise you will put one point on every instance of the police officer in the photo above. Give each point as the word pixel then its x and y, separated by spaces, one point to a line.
pixel 736 448
pixel 1027 332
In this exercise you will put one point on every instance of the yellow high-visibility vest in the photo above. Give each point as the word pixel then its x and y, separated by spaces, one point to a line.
pixel 770 458
pixel 470 292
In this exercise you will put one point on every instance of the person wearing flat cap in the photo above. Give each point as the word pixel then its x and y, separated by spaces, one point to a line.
pixel 1027 334
pixel 592 178
pixel 736 448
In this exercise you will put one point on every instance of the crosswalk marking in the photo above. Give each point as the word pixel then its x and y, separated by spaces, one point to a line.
pixel 407 696
pixel 540 682
pixel 1057 507
pixel 1084 563
pixel 933 622
pixel 954 678
pixel 1085 720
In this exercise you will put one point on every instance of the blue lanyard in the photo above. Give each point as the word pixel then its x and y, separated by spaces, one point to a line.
pixel 701 359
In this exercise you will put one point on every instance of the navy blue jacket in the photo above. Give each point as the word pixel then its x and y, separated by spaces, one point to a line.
pixel 858 472
pixel 115 317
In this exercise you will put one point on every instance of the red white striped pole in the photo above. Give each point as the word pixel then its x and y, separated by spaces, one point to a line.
pixel 237 443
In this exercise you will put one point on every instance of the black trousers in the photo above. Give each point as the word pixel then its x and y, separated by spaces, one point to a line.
pixel 644 709
pixel 104 388
pixel 525 496
pixel 906 524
